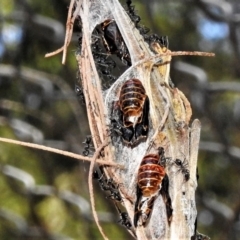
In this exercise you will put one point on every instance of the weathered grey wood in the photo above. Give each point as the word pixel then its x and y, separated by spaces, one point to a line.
pixel 170 114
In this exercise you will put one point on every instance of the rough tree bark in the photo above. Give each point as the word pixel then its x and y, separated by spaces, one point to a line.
pixel 170 116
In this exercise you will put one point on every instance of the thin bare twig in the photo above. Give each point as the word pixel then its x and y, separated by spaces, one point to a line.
pixel 90 184
pixel 58 151
pixel 177 53
pixel 69 29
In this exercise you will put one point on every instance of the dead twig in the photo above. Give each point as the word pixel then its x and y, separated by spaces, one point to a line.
pixel 158 57
pixel 90 185
pixel 69 29
pixel 58 151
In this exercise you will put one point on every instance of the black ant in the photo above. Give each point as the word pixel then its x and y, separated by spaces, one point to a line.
pixel 88 146
pixel 197 235
pixel 183 168
pixel 105 67
pixel 136 19
pixel 108 185
pixel 78 88
pixel 104 63
pixel 200 236
pixel 124 220
pixel 197 174
pixel 114 190
pixel 79 93
pixel 162 41
pixel 131 12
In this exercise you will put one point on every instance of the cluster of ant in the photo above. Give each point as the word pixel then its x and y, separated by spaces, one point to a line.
pixel 152 180
pixel 107 42
pixel 104 63
pixel 110 186
pixel 131 122
pixel 107 185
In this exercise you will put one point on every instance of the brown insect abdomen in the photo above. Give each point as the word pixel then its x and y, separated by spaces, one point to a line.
pixel 131 101
pixel 150 175
pixel 152 179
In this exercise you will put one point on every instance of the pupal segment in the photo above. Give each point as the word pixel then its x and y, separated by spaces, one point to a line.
pixel 152 180
pixel 132 111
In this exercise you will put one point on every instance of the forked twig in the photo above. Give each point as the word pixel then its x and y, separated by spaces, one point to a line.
pixel 90 185
pixel 69 29
pixel 58 151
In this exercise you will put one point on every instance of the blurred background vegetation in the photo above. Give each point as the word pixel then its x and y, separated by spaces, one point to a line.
pixel 45 196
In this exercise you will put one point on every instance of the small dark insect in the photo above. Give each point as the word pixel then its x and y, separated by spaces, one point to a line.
pixel 200 236
pixel 136 20
pixel 100 58
pixel 113 41
pixel 197 235
pixel 183 168
pixel 197 174
pixel 79 93
pixel 78 88
pixel 89 146
pixel 101 180
pixel 105 68
pixel 131 12
pixel 158 44
pixel 152 180
pixel 104 63
pixel 133 108
pixel 108 185
pixel 162 40
pixel 124 220
pixel 114 191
